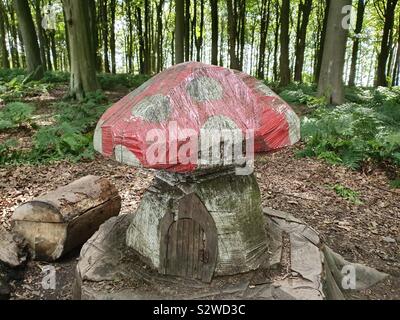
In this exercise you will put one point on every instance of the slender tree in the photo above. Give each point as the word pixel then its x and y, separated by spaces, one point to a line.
pixel 356 42
pixel 28 33
pixel 320 51
pixel 179 31
pixel 4 62
pixel 112 37
pixel 199 39
pixel 284 41
pixel 233 34
pixel 389 16
pixel 214 32
pixel 330 83
pixel 396 70
pixel 265 20
pixel 305 8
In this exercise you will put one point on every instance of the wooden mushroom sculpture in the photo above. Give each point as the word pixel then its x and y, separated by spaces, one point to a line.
pixel 200 219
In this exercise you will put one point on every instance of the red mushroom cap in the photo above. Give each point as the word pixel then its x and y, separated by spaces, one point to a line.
pixel 160 117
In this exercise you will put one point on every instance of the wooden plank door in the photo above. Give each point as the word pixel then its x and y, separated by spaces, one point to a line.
pixel 189 244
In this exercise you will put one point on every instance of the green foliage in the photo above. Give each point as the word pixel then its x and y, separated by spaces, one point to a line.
pixel 395 184
pixel 346 193
pixel 6 75
pixel 355 133
pixel 15 114
pixel 304 94
pixel 112 81
pixel 9 152
pixel 71 137
pixel 55 77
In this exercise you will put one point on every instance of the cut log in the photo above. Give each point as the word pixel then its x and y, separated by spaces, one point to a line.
pixel 64 219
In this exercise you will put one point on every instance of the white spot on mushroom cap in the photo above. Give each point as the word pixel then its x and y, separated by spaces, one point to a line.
pixel 124 155
pixel 203 89
pixel 218 133
pixel 98 137
pixel 153 109
pixel 220 123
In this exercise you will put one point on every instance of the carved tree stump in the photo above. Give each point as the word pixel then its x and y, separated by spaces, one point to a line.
pixel 61 220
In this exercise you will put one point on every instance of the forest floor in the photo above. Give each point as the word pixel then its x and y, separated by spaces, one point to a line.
pixel 365 231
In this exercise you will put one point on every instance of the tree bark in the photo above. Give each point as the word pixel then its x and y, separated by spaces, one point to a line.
pixel 305 9
pixel 396 71
pixel 199 39
pixel 330 83
pixel 160 38
pixel 112 37
pixel 320 52
pixel 187 30
pixel 232 32
pixel 356 44
pixel 214 31
pixel 83 68
pixel 179 31
pixel 104 29
pixel 28 33
pixel 381 76
pixel 5 62
pixel 284 41
pixel 146 38
pixel 276 39
pixel 265 19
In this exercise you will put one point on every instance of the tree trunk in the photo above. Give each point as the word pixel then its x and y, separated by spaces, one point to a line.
pixel 53 48
pixel 179 31
pixel 160 38
pixel 104 27
pixel 5 62
pixel 396 71
pixel 232 32
pixel 305 9
pixel 199 39
pixel 93 18
pixel 322 42
pixel 284 41
pixel 112 37
pixel 129 37
pixel 41 31
pixel 142 46
pixel 276 40
pixel 265 17
pixel 330 83
pixel 381 76
pixel 187 30
pixel 28 33
pixel 83 67
pixel 146 38
pixel 214 31
pixel 14 38
pixel 242 33
pixel 356 44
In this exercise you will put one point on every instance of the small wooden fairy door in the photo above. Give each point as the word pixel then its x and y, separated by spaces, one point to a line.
pixel 189 241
